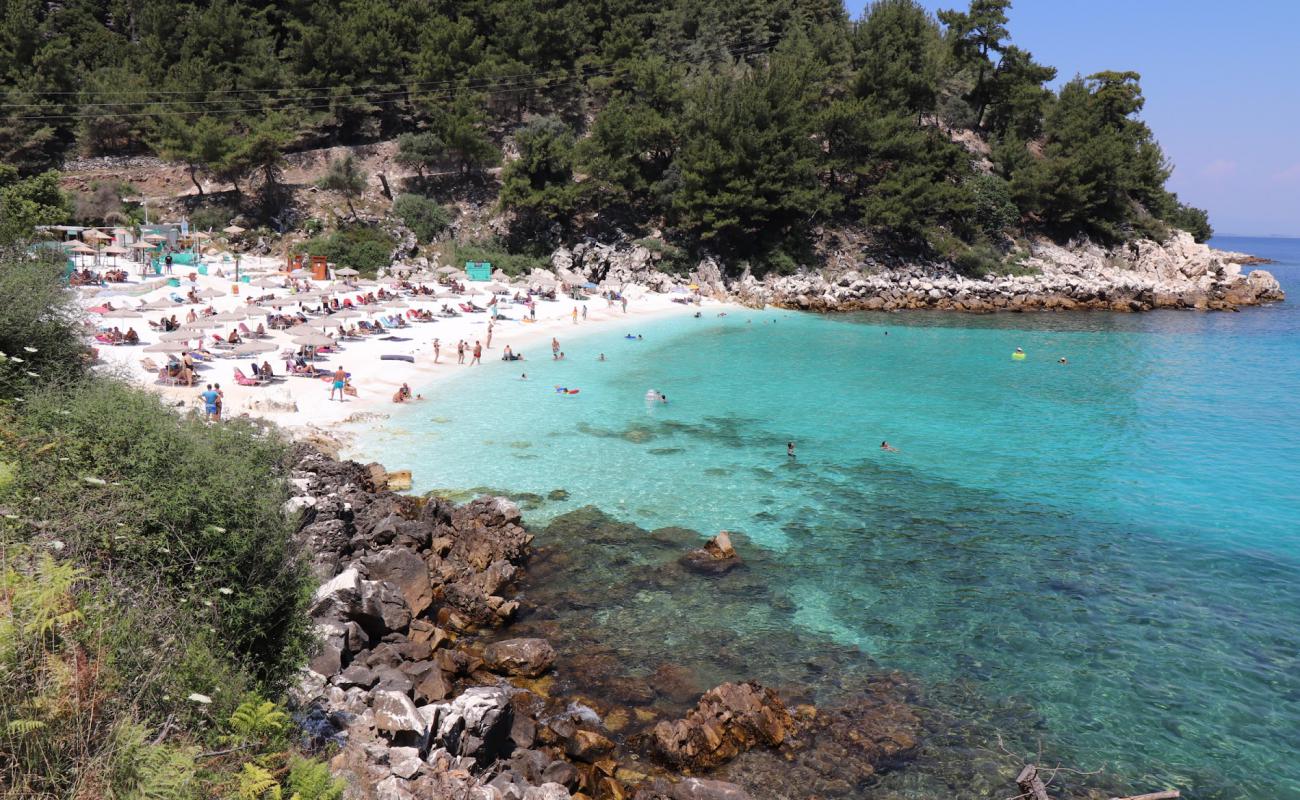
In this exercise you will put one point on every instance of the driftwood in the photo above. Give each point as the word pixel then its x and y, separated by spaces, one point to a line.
pixel 1031 785
pixel 1170 794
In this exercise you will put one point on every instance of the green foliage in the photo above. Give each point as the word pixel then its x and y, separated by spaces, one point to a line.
pixel 39 336
pixel 748 166
pixel 420 151
pixel 363 247
pixel 140 770
pixel 1193 220
pixel 311 780
pixel 185 508
pixel 346 178
pixel 211 217
pixel 203 144
pixel 736 126
pixel 499 256
pixel 540 182
pixel 422 215
pixel 258 720
pixel 897 52
pixel 28 202
pixel 993 210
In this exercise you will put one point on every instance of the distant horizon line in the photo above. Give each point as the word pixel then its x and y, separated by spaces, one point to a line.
pixel 1259 235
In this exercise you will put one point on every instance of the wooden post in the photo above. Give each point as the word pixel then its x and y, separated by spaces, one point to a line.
pixel 1031 785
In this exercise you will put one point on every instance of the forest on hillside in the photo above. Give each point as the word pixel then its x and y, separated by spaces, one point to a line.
pixel 734 128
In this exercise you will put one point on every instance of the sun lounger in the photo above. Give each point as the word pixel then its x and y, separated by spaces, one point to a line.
pixel 244 380
pixel 149 365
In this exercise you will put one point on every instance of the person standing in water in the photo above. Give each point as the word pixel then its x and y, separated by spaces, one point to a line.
pixel 460 351
pixel 624 299
pixel 489 337
pixel 886 446
pixel 584 312
pixel 555 349
pixel 789 449
pixel 478 354
pixel 437 350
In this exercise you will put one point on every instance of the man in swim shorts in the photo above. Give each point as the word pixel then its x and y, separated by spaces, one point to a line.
pixel 209 403
pixel 340 380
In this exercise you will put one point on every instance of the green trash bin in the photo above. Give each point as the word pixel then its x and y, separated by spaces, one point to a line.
pixel 203 269
pixel 245 279
pixel 174 283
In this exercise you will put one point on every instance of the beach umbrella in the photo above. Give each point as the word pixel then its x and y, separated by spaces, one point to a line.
pixel 121 232
pixel 91 233
pixel 280 302
pixel 313 340
pixel 395 304
pixel 181 335
pixel 345 313
pixel 141 246
pixel 229 316
pixel 266 283
pixel 153 237
pixel 253 348
pixel 210 293
pixel 389 280
pixel 446 270
pixel 121 313
pixel 201 323
pixel 168 347
pixel 161 302
pixel 114 250
pixel 233 230
pixel 200 235
pixel 256 311
pixel 82 247
pixel 301 329
pixel 347 272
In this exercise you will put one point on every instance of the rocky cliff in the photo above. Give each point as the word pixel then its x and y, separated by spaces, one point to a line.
pixel 1138 276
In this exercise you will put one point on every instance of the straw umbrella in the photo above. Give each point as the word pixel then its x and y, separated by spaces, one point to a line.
pixel 229 316
pixel 181 335
pixel 253 348
pixel 209 293
pixel 121 313
pixel 446 270
pixel 154 237
pixel 266 283
pixel 202 323
pixel 168 347
pixel 233 230
pixel 346 272
pixel 313 340
pixel 81 249
pixel 256 311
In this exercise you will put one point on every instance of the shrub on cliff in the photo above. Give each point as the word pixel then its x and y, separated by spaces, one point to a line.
pixel 362 247
pixel 423 216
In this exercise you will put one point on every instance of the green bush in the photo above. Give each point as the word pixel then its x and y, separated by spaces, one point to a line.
pixel 423 216
pixel 363 247
pixel 994 209
pixel 177 510
pixel 495 253
pixel 211 217
pixel 39 336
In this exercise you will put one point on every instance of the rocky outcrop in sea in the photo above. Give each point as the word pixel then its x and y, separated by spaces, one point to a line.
pixel 420 683
pixel 1137 276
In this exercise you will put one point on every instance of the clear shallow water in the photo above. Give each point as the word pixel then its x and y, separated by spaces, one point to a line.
pixel 1114 543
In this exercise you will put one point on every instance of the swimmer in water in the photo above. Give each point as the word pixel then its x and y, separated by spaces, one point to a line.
pixel 523 376
pixel 1021 352
pixel 888 447
pixel 789 449
pixel 1062 360
pixel 663 398
pixel 602 357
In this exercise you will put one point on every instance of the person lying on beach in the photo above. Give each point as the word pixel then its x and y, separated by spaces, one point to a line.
pixel 888 447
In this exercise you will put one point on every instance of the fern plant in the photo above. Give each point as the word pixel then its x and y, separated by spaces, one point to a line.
pixel 257 783
pixel 139 770
pixel 310 779
pixel 257 719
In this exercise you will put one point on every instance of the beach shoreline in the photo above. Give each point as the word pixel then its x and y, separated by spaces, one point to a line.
pixel 302 407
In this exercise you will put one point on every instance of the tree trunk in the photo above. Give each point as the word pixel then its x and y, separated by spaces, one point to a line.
pixel 194 177
pixel 383 181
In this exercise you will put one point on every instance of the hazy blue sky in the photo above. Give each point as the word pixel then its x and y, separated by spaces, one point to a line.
pixel 1222 85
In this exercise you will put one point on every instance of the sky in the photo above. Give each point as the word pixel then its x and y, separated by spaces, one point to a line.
pixel 1222 88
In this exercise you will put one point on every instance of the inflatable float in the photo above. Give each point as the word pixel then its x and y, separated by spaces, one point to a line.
pixel 392 357
pixel 565 390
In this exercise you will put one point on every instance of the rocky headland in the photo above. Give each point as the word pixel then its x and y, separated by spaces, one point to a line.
pixel 425 693
pixel 454 662
pixel 1137 276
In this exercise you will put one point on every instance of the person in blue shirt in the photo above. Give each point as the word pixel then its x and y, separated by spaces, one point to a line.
pixel 209 402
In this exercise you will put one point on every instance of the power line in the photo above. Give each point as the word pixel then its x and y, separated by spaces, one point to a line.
pixel 235 105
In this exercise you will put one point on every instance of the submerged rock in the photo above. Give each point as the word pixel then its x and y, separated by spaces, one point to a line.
pixel 728 720
pixel 716 557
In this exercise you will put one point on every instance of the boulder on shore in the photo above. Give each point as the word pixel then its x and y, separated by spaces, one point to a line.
pixel 527 658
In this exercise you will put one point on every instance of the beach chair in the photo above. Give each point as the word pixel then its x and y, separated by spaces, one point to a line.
pixel 245 332
pixel 149 365
pixel 243 380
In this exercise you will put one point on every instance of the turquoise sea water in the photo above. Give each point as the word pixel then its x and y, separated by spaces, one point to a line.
pixel 1113 543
